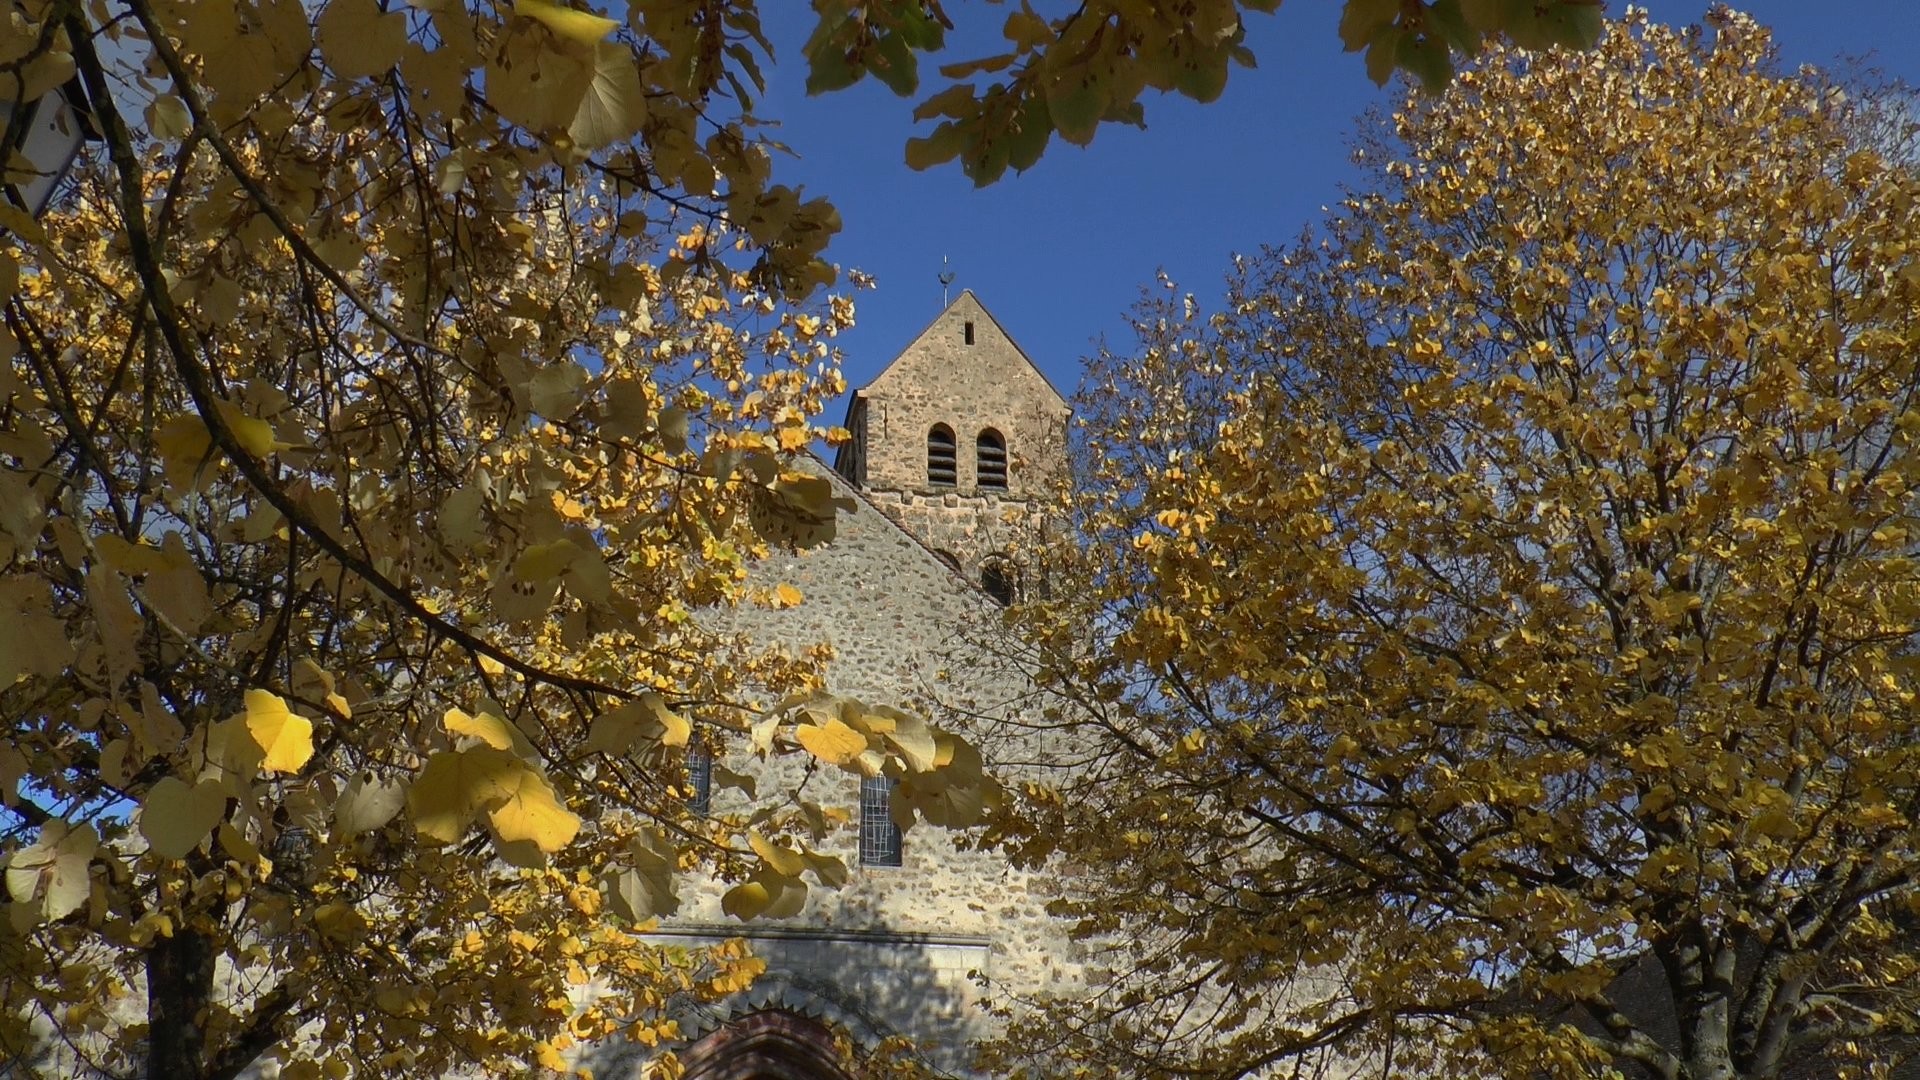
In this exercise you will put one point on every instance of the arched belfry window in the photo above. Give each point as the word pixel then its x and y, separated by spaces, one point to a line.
pixel 990 451
pixel 942 459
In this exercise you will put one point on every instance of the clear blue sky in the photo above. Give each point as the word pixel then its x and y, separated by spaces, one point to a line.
pixel 1059 253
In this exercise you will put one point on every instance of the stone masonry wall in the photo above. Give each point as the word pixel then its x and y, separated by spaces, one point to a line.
pixel 970 528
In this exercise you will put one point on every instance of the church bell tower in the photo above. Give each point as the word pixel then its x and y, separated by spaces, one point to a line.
pixel 958 440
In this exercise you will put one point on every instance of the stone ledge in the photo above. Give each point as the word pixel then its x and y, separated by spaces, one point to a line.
pixel 724 931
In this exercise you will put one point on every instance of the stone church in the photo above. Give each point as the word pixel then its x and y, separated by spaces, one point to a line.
pixel 951 445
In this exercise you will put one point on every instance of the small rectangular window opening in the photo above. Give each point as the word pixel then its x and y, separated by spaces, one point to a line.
pixel 699 780
pixel 969 331
pixel 879 836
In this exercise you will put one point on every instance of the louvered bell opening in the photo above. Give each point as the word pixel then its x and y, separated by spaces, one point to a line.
pixel 991 459
pixel 942 461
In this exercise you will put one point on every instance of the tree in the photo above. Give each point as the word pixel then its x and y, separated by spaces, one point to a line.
pixel 376 424
pixel 1070 73
pixel 1491 634
pixel 379 413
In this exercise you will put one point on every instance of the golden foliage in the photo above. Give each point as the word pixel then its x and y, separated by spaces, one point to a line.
pixel 375 424
pixel 1068 68
pixel 1512 588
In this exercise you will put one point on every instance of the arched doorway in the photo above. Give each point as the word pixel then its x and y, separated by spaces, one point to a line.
pixel 773 1044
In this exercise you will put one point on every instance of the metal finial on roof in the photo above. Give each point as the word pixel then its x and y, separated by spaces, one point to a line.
pixel 946 279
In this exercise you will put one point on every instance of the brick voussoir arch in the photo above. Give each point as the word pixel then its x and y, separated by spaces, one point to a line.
pixel 772 1044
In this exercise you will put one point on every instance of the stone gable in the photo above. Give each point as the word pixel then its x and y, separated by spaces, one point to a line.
pixel 963 372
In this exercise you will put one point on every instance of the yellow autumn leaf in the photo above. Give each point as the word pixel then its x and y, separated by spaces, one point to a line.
pixel 128 558
pixel 175 818
pixel 675 729
pixel 779 858
pixel 340 922
pixel 542 561
pixel 53 870
pixel 531 812
pixel 580 27
pixel 770 896
pixel 176 589
pixel 915 742
pixel 227 750
pixel 645 720
pixel 457 785
pixel 614 107
pixel 453 787
pixel 761 734
pixel 367 803
pixel 867 722
pixel 830 870
pixel 787 595
pixel 286 740
pixel 746 900
pixel 309 677
pixel 235 845
pixel 786 897
pixel 486 727
pixel 358 39
pixel 534 83
pixel 832 742
pixel 185 447
pixel 254 435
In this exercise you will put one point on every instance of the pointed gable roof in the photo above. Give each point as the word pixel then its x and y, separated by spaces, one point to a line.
pixel 965 299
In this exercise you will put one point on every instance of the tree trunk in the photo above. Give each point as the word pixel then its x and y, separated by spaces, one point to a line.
pixel 1701 971
pixel 179 989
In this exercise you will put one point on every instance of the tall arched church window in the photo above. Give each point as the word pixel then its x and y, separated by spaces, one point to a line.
pixel 942 460
pixel 990 451
pixel 879 834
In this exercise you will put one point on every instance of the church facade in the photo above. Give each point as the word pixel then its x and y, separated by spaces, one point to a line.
pixel 952 446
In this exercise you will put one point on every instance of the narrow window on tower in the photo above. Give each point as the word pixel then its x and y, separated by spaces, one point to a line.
pixel 879 836
pixel 997 581
pixel 990 460
pixel 942 463
pixel 969 331
pixel 699 780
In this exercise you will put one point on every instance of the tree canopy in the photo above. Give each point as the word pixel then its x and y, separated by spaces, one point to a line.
pixel 1069 73
pixel 379 414
pixel 1492 632
pixel 389 395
